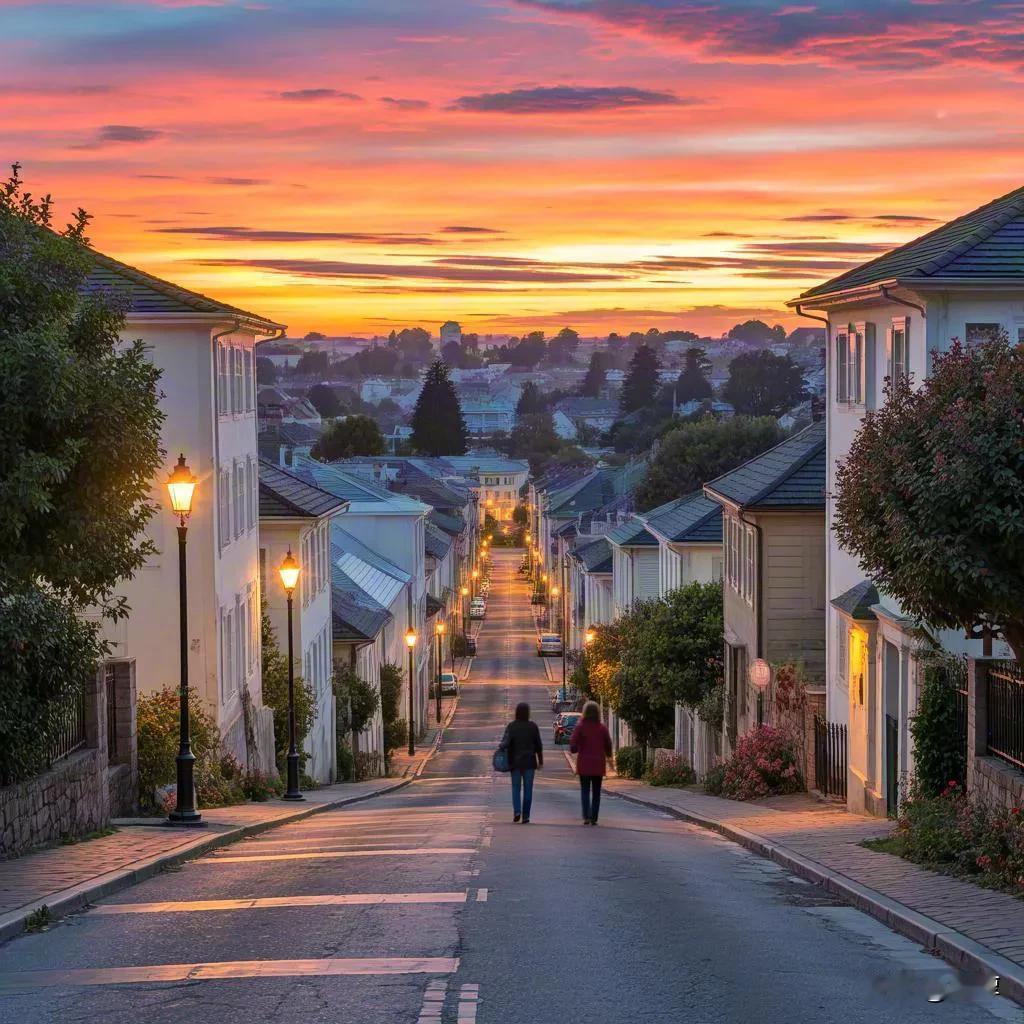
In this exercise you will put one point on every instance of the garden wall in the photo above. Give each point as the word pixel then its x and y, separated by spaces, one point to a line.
pixel 993 779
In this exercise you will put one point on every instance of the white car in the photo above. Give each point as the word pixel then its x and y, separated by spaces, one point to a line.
pixel 477 608
pixel 549 644
pixel 449 684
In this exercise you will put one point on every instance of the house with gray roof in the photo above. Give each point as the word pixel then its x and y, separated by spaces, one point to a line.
pixel 963 280
pixel 296 517
pixel 773 532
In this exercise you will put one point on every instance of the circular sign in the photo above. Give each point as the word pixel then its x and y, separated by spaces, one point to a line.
pixel 760 673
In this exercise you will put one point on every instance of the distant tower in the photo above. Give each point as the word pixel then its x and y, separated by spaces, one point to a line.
pixel 450 331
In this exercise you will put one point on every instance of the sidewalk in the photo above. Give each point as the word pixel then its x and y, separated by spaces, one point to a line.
pixel 972 927
pixel 67 878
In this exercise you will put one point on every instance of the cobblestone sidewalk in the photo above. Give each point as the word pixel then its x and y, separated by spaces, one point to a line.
pixel 968 925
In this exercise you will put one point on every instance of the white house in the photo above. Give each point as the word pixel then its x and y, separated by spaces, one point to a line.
pixel 296 517
pixel 885 318
pixel 205 351
pixel 498 480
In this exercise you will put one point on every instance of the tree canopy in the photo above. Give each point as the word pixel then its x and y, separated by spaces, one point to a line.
pixel 763 384
pixel 758 332
pixel 437 424
pixel 563 346
pixel 693 383
pixel 930 498
pixel 266 371
pixel 313 364
pixel 325 400
pixel 692 454
pixel 641 383
pixel 531 400
pixel 597 375
pixel 349 438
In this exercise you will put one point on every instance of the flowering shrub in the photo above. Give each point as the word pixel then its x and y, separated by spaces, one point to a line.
pixel 670 769
pixel 763 764
pixel 629 762
pixel 965 836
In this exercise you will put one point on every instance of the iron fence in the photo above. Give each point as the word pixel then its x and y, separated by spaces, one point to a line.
pixel 1004 700
pixel 70 735
pixel 830 757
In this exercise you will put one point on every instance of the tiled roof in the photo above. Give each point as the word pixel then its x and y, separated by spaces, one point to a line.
pixel 596 556
pixel 485 464
pixel 283 496
pixel 359 491
pixel 345 544
pixel 148 294
pixel 693 518
pixel 987 242
pixel 453 525
pixel 633 533
pixel 355 615
pixel 857 601
pixel 790 475
pixel 436 542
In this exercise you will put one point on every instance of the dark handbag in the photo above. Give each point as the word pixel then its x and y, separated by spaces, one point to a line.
pixel 500 757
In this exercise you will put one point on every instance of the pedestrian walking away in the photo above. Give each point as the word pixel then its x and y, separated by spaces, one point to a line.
pixel 525 756
pixel 592 745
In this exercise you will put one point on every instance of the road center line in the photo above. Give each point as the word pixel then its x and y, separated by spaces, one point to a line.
pixel 359 899
pixel 333 966
pixel 423 851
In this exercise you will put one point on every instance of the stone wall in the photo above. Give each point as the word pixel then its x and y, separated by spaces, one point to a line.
pixel 990 778
pixel 84 790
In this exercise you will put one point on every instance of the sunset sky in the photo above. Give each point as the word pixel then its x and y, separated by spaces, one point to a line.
pixel 351 166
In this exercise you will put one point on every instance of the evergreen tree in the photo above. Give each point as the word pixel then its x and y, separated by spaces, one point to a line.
pixel 437 424
pixel 641 384
pixel 531 400
pixel 597 373
pixel 324 399
pixel 692 383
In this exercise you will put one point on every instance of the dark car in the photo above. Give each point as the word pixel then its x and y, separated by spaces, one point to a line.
pixel 470 645
pixel 564 725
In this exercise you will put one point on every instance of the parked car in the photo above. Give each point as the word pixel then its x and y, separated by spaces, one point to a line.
pixel 449 684
pixel 477 608
pixel 563 700
pixel 549 644
pixel 564 725
pixel 470 645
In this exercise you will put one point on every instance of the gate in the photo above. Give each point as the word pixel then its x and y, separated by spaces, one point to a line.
pixel 892 765
pixel 830 757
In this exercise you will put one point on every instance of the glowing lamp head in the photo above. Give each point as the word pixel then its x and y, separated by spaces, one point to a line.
pixel 588 637
pixel 439 628
pixel 544 577
pixel 465 590
pixel 181 485
pixel 410 638
pixel 476 574
pixel 554 590
pixel 289 571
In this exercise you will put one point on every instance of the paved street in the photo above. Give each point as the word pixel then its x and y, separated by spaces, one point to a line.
pixel 429 905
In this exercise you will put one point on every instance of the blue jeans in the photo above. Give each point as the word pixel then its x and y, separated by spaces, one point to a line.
pixel 522 791
pixel 590 795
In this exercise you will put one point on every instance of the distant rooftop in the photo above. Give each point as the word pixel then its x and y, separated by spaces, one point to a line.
pixel 284 496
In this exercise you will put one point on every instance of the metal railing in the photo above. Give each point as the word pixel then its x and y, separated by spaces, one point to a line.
pixel 1004 702
pixel 70 734
pixel 830 757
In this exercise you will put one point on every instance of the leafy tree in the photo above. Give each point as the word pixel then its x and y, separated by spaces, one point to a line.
pixel 349 438
pixel 534 438
pixel 563 346
pixel 79 420
pixel 275 695
pixel 521 515
pixel 356 702
pixel 597 375
pixel 375 361
pixel 437 424
pixel 929 498
pixel 693 383
pixel 313 364
pixel 641 382
pixel 758 332
pixel 471 342
pixel 763 384
pixel 692 454
pixel 452 354
pixel 531 400
pixel 266 371
pixel 940 753
pixel 325 400
pixel 313 336
pixel 413 343
pixel 528 352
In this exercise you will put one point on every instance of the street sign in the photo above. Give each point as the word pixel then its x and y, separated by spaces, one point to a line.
pixel 760 673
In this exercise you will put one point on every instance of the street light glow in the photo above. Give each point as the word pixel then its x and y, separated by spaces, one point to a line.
pixel 440 628
pixel 181 485
pixel 289 571
pixel 410 638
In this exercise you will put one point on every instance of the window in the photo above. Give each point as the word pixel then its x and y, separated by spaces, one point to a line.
pixel 750 540
pixel 224 507
pixel 238 474
pixel 842 639
pixel 250 492
pixel 227 652
pixel 246 357
pixel 854 363
pixel 975 334
pixel 236 392
pixel 842 367
pixel 899 355
pixel 222 378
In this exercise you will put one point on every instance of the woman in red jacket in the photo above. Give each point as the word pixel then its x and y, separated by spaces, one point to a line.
pixel 592 746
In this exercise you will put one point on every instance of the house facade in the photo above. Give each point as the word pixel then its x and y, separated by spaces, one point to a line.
pixel 205 351
pixel 296 517
pixel 885 319
pixel 496 480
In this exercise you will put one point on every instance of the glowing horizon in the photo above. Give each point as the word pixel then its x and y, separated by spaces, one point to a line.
pixel 351 167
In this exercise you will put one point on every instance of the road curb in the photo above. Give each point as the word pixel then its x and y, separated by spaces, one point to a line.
pixel 953 946
pixel 77 897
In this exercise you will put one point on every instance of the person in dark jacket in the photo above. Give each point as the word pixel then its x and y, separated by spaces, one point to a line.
pixel 592 745
pixel 525 756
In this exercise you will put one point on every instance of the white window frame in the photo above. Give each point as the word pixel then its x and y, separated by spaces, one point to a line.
pixel 842 368
pixel 224 508
pixel 898 351
pixel 980 323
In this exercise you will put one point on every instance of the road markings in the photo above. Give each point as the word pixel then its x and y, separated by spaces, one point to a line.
pixel 422 851
pixel 433 1002
pixel 481 895
pixel 469 996
pixel 329 967
pixel 358 899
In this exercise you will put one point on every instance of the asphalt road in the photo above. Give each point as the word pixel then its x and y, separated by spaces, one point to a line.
pixel 429 905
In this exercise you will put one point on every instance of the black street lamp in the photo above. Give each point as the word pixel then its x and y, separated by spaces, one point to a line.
pixel 181 486
pixel 289 571
pixel 465 610
pixel 439 628
pixel 410 642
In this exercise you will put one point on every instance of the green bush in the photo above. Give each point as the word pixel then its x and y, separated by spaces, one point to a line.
pixel 396 735
pixel 346 762
pixel 940 753
pixel 670 769
pixel 714 780
pixel 275 696
pixel 629 762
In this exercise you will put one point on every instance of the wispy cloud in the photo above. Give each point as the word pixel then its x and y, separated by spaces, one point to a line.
pixel 237 233
pixel 568 99
pixel 313 95
pixel 402 103
pixel 120 134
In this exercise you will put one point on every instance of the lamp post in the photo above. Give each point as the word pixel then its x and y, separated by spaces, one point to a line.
pixel 289 570
pixel 474 576
pixel 564 615
pixel 552 608
pixel 439 628
pixel 465 610
pixel 181 485
pixel 410 642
